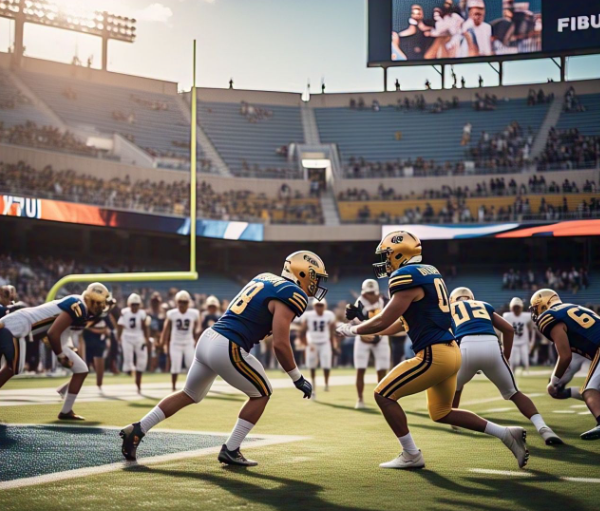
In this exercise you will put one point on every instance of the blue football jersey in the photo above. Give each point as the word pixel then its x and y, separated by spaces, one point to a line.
pixel 583 327
pixel 427 321
pixel 247 321
pixel 472 317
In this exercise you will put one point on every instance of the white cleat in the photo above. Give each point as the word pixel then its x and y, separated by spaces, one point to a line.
pixel 360 405
pixel 550 437
pixel 313 396
pixel 514 439
pixel 326 388
pixel 406 461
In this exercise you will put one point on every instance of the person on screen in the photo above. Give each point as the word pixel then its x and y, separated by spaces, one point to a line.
pixel 447 31
pixel 477 41
pixel 504 30
pixel 415 40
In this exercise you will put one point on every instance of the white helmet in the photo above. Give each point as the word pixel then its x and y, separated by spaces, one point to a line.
pixel 317 302
pixel 370 286
pixel 183 296
pixel 134 299
pixel 212 301
pixel 461 293
pixel 516 302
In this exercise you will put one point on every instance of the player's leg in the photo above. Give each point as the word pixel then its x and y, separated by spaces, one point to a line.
pixel 80 372
pixel 326 359
pixel 361 361
pixel 565 392
pixel 497 369
pixel 128 350
pixel 525 357
pixel 9 348
pixel 469 366
pixel 176 356
pixel 591 395
pixel 382 354
pixel 99 367
pixel 312 361
pixel 141 362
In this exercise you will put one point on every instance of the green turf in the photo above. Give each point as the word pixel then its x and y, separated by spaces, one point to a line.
pixel 337 468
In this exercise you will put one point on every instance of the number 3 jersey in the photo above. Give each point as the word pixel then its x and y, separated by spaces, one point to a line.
pixel 182 325
pixel 248 320
pixel 472 317
pixel 428 320
pixel 132 323
pixel 583 327
pixel 520 324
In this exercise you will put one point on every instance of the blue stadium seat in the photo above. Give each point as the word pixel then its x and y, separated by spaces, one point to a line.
pixel 587 122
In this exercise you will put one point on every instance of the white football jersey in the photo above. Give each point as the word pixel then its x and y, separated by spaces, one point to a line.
pixel 521 325
pixel 132 323
pixel 370 310
pixel 182 325
pixel 318 330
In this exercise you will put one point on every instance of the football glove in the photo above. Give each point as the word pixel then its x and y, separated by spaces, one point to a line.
pixel 304 386
pixel 346 329
pixel 354 312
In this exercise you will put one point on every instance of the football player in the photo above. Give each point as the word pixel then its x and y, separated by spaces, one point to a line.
pixel 473 323
pixel 212 314
pixel 134 337
pixel 419 304
pixel 571 328
pixel 369 304
pixel 49 322
pixel 180 333
pixel 564 392
pixel 266 305
pixel 8 300
pixel 523 327
pixel 317 332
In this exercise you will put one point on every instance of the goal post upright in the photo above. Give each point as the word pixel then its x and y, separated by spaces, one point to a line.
pixel 192 274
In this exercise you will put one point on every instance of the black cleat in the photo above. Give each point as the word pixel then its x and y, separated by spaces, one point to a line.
pixel 592 434
pixel 234 458
pixel 132 436
pixel 70 416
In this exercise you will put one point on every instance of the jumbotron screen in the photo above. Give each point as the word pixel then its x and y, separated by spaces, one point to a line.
pixel 404 32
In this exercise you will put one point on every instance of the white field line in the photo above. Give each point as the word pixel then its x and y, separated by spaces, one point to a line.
pixel 265 440
pixel 511 473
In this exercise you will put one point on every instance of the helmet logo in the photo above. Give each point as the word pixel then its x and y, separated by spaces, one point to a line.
pixel 397 239
pixel 311 260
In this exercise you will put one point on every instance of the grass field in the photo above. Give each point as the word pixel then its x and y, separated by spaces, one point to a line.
pixel 335 468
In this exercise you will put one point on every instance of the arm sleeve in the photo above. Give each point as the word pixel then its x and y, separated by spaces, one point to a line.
pixel 403 279
pixel 74 307
pixel 121 320
pixel 489 309
pixel 293 297
pixel 546 323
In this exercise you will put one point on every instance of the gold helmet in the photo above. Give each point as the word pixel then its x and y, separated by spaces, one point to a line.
pixel 98 299
pixel 542 300
pixel 306 269
pixel 461 293
pixel 396 249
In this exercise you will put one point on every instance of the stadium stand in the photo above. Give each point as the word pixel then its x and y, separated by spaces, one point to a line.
pixel 248 136
pixel 16 107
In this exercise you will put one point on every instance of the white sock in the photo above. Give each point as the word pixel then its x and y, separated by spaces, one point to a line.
pixel 575 394
pixel 154 416
pixel 408 444
pixel 495 430
pixel 68 403
pixel 240 431
pixel 537 421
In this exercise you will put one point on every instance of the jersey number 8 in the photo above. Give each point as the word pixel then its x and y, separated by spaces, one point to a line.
pixel 241 301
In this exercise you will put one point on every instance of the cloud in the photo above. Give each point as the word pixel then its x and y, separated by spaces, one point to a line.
pixel 154 12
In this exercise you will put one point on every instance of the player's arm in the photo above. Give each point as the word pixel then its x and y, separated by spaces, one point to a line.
pixel 302 332
pixel 395 308
pixel 395 329
pixel 165 335
pixel 508 333
pixel 331 327
pixel 146 328
pixel 61 323
pixel 196 332
pixel 282 321
pixel 558 334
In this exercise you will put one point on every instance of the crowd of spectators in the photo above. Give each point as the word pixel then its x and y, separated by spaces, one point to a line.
pixel 485 103
pixel 253 113
pixel 255 170
pixel 507 149
pixel 572 102
pixel 572 280
pixel 361 168
pixel 539 98
pixel 567 149
pixel 45 137
pixel 156 196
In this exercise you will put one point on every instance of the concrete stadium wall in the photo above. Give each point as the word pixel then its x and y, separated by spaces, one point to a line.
pixel 250 96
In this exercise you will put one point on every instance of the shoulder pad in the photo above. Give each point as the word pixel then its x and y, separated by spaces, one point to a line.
pixel 74 306
pixel 403 278
pixel 546 322
pixel 290 294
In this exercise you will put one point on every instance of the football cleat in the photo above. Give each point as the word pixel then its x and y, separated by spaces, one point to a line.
pixel 406 461
pixel 234 458
pixel 132 436
pixel 515 440
pixel 62 390
pixel 592 434
pixel 70 416
pixel 360 405
pixel 326 388
pixel 313 396
pixel 550 437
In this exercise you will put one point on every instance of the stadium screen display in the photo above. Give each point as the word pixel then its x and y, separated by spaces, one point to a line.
pixel 446 31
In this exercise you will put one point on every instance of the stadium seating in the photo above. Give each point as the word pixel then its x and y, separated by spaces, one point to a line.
pixel 238 139
pixel 152 121
pixel 372 135
pixel 17 108
pixel 588 122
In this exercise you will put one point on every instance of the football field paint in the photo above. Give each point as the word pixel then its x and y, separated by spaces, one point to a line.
pixel 511 473
pixel 33 454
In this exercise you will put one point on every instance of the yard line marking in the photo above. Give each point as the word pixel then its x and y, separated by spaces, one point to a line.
pixel 583 413
pixel 512 473
pixel 578 406
pixel 498 410
pixel 563 411
pixel 265 440
pixel 492 399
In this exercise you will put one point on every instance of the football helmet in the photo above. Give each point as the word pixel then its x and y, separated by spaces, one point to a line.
pixel 134 299
pixel 542 300
pixel 8 295
pixel 183 296
pixel 212 301
pixel 461 293
pixel 307 270
pixel 516 302
pixel 97 299
pixel 395 250
pixel 370 286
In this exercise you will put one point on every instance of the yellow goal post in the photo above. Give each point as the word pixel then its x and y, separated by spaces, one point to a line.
pixel 192 274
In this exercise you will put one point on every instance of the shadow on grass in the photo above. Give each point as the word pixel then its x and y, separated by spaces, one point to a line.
pixel 370 411
pixel 289 495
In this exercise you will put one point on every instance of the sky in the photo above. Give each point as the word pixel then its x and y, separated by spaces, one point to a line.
pixel 278 45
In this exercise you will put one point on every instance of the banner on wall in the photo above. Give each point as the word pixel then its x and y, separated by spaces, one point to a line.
pixel 86 214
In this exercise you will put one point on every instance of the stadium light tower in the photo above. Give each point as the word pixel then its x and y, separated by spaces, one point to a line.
pixel 43 12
